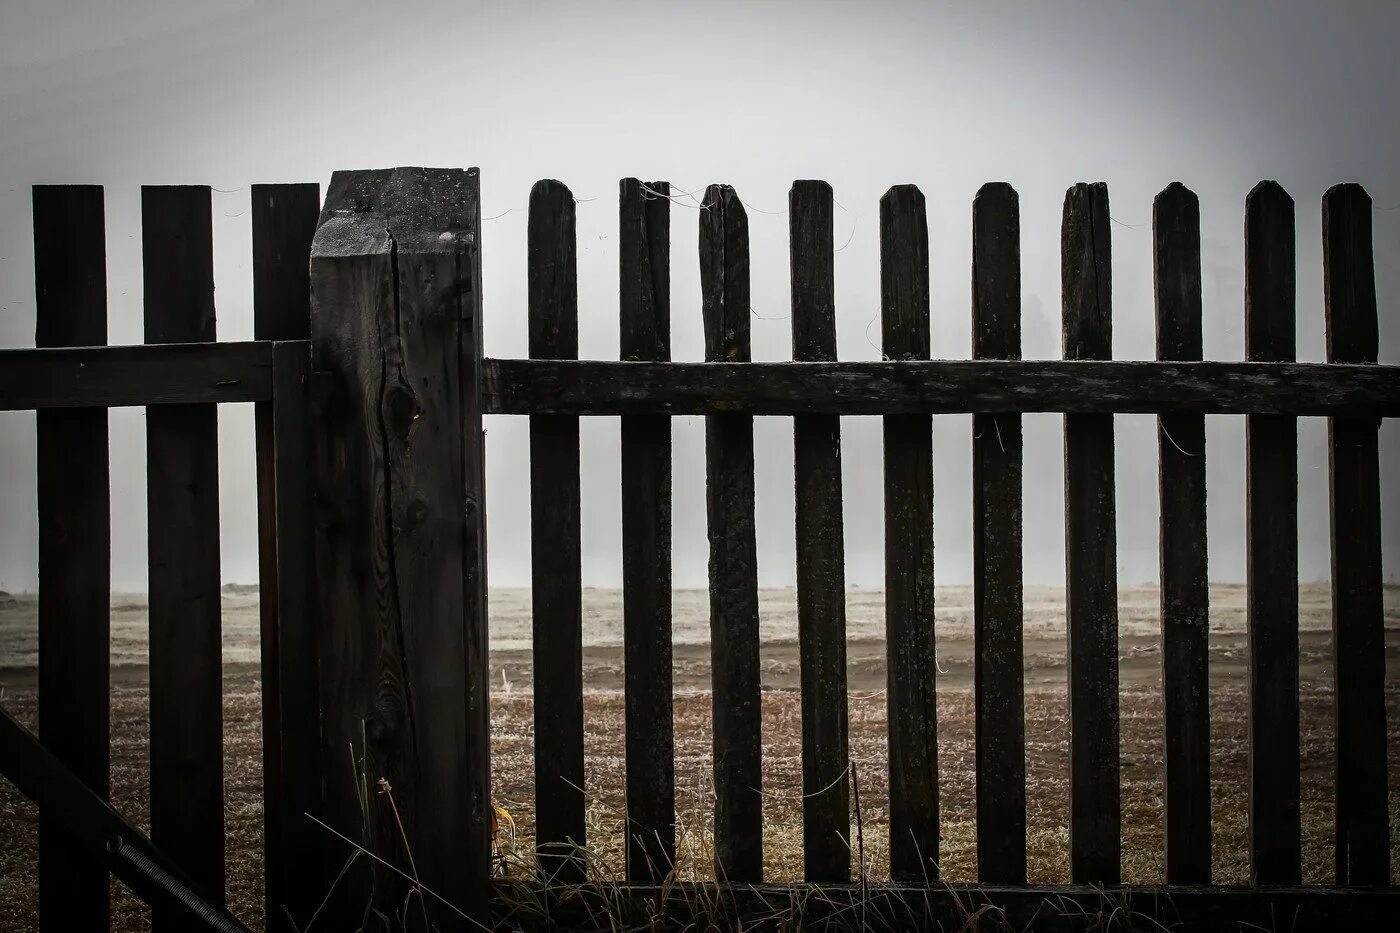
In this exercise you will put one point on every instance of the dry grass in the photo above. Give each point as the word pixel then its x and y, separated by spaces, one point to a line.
pixel 512 749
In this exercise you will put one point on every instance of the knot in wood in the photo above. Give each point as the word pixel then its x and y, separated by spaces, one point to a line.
pixel 400 411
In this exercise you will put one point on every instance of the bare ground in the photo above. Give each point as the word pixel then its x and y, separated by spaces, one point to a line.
pixel 512 748
pixel 1047 774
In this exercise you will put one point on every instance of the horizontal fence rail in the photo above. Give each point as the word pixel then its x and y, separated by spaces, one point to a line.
pixel 594 387
pixel 145 374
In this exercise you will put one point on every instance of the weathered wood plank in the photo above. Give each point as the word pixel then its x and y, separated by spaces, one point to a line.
pixel 594 387
pixel 1272 548
pixel 729 492
pixel 283 221
pixel 556 572
pixel 395 327
pixel 821 555
pixel 182 500
pixel 1185 596
pixel 996 548
pixel 155 374
pixel 1091 571
pixel 1358 612
pixel 908 453
pixel 75 548
pixel 300 843
pixel 645 334
pixel 942 907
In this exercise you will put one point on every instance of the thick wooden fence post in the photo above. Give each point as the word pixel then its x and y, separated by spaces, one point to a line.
pixel 400 544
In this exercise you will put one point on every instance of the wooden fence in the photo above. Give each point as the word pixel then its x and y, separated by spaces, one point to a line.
pixel 374 542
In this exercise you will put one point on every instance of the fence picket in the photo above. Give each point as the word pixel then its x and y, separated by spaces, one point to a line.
pixel 75 549
pixel 996 548
pixel 821 576
pixel 1091 577
pixel 1271 524
pixel 908 452
pixel 555 555
pixel 645 334
pixel 187 806
pixel 283 221
pixel 1358 612
pixel 1185 594
pixel 729 489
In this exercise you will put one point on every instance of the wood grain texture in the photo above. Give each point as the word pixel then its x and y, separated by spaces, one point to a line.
pixel 1091 569
pixel 1358 612
pixel 555 549
pixel 996 548
pixel 644 223
pixel 908 453
pixel 1185 596
pixel 182 500
pixel 75 548
pixel 395 328
pixel 600 387
pixel 1271 521
pixel 154 374
pixel 283 221
pixel 729 498
pixel 821 555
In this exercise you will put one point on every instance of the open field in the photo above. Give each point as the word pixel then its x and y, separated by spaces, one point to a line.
pixel 1047 764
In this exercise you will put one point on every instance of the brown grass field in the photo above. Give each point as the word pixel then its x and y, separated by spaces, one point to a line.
pixel 512 751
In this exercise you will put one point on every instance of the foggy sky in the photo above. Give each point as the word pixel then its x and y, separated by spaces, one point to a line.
pixel 864 95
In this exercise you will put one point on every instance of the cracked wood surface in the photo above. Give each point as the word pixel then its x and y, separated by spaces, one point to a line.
pixel 393 329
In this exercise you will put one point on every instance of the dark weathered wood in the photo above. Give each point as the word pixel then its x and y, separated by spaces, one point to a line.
pixel 729 486
pixel 1185 595
pixel 1272 548
pixel 284 220
pixel 475 785
pixel 996 548
pixel 821 554
pixel 1358 612
pixel 645 334
pixel 182 502
pixel 158 374
pixel 943 907
pixel 298 888
pixel 75 548
pixel 395 328
pixel 908 452
pixel 556 572
pixel 93 828
pixel 1091 569
pixel 600 387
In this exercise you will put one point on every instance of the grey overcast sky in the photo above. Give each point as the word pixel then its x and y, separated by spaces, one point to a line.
pixel 865 95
